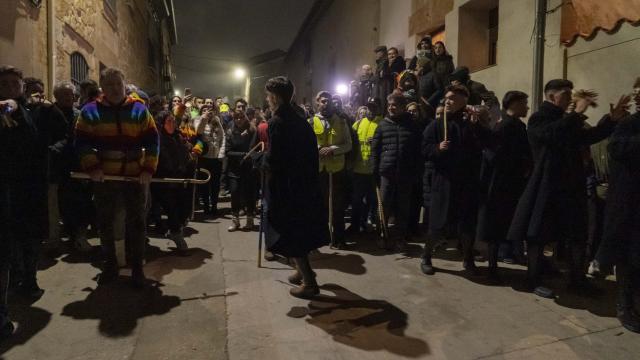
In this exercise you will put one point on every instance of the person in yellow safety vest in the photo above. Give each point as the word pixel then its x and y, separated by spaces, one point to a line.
pixel 334 141
pixel 364 202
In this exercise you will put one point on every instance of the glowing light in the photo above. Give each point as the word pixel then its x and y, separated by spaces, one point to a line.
pixel 239 73
pixel 176 93
pixel 342 89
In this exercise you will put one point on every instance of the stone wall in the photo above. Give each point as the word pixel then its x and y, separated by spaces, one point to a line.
pixel 83 26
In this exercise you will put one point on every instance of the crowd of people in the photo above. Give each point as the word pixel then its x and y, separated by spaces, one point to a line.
pixel 417 148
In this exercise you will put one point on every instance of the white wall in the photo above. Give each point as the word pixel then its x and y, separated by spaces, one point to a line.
pixel 394 26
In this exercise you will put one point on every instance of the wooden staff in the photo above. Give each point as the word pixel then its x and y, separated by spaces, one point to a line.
pixel 262 229
pixel 84 176
pixel 193 194
pixel 384 230
pixel 259 145
pixel 446 135
pixel 333 244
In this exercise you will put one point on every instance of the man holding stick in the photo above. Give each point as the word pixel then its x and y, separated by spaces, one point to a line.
pixel 554 203
pixel 296 220
pixel 455 147
pixel 116 135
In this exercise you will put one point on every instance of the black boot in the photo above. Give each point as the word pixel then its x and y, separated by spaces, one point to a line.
pixel 109 272
pixel 6 326
pixel 625 307
pixel 138 280
pixel 309 287
pixel 426 266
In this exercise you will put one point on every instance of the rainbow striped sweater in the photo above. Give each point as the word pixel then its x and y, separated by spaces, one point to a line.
pixel 120 140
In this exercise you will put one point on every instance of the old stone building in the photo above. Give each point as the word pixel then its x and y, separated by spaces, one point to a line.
pixel 74 39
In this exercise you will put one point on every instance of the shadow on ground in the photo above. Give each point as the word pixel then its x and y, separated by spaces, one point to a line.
pixel 161 263
pixel 602 304
pixel 30 321
pixel 370 325
pixel 345 263
pixel 118 307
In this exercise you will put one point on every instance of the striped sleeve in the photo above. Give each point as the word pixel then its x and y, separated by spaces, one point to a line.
pixel 150 142
pixel 85 144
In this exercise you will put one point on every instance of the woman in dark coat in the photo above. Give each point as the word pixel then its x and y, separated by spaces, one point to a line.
pixel 174 161
pixel 296 220
pixel 503 176
pixel 621 241
pixel 243 181
pixel 441 64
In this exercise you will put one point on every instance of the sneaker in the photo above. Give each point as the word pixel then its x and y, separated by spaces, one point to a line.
pixel 427 267
pixel 250 224
pixel 178 239
pixel 235 225
pixel 629 319
pixel 6 327
pixel 305 291
pixel 269 256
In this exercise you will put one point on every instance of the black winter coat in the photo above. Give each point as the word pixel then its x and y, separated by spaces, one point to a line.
pixel 397 66
pixel 456 172
pixel 503 177
pixel 174 160
pixel 18 149
pixel 238 144
pixel 53 130
pixel 442 66
pixel 430 88
pixel 557 140
pixel 621 239
pixel 395 148
pixel 296 219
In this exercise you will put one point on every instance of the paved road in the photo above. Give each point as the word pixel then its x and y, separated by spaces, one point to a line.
pixel 216 304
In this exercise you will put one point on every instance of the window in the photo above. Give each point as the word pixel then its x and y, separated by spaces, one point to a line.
pixel 111 11
pixel 493 35
pixel 79 68
pixel 478 29
pixel 110 5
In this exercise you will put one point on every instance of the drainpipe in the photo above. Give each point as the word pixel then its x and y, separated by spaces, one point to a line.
pixel 51 57
pixel 538 54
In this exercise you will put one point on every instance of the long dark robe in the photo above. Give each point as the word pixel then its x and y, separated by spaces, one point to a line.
pixel 621 240
pixel 557 140
pixel 296 220
pixel 503 177
pixel 456 172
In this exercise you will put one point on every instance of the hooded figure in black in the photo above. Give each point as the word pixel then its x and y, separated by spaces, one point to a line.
pixel 621 241
pixel 456 159
pixel 504 173
pixel 296 221
pixel 554 203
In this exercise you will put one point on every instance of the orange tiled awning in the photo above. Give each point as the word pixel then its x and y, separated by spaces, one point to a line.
pixel 585 17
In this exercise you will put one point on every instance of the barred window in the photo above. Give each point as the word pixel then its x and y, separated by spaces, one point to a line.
pixel 79 68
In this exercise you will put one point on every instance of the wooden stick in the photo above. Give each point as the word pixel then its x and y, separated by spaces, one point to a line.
pixel 253 149
pixel 446 135
pixel 84 176
pixel 333 244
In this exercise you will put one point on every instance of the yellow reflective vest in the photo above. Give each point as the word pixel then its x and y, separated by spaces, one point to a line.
pixel 333 133
pixel 365 129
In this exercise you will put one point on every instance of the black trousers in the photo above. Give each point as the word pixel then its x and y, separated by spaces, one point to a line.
pixel 111 198
pixel 22 227
pixel 210 191
pixel 77 207
pixel 396 200
pixel 364 200
pixel 338 180
pixel 243 187
pixel 175 200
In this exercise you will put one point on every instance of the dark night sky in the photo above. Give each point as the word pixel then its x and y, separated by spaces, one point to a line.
pixel 215 36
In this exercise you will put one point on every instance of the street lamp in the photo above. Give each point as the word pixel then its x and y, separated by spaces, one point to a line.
pixel 239 73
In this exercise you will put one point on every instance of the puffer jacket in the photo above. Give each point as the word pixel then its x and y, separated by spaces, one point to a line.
pixel 395 148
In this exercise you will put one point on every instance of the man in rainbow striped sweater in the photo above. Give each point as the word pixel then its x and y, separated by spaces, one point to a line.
pixel 116 135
